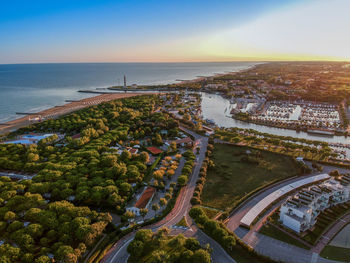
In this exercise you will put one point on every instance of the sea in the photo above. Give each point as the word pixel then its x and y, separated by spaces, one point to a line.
pixel 35 87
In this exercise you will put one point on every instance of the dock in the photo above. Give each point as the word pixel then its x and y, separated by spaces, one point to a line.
pixel 321 132
pixel 26 113
pixel 96 92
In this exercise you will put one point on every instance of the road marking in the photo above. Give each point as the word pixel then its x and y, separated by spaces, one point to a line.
pixel 120 250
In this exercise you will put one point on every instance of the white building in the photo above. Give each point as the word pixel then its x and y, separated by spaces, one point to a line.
pixel 300 211
pixel 143 201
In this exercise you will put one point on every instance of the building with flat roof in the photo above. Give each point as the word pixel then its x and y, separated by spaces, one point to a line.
pixel 301 210
pixel 259 207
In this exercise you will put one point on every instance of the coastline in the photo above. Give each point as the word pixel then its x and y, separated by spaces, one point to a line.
pixel 101 96
pixel 58 111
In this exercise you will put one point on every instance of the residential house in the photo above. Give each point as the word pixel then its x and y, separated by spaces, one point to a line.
pixel 143 201
pixel 154 150
pixel 184 142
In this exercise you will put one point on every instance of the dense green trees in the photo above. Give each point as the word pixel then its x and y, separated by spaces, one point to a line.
pixel 286 144
pixel 60 227
pixel 80 169
pixel 162 248
pixel 187 169
pixel 213 228
pixel 45 215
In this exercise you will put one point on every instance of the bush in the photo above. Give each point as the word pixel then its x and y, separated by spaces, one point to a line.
pixel 182 180
pixel 195 201
pixel 214 229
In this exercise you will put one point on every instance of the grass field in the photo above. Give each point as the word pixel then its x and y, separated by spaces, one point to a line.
pixel 182 222
pixel 272 231
pixel 232 178
pixel 336 253
pixel 210 212
pixel 342 239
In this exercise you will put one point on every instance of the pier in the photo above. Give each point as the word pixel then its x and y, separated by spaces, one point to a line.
pixel 96 91
pixel 26 113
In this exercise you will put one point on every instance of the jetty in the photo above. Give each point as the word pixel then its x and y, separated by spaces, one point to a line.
pixel 321 132
pixel 96 91
pixel 27 113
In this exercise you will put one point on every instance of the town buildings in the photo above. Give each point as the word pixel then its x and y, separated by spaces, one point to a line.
pixel 308 114
pixel 299 213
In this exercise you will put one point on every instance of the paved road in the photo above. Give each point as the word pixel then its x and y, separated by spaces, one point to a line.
pixel 119 253
pixel 328 236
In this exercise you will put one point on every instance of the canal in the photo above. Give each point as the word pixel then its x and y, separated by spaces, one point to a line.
pixel 217 108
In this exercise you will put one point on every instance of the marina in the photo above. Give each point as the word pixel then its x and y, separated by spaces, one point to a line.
pixel 215 107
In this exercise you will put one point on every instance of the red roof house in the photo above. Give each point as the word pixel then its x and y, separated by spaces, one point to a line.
pixel 154 150
pixel 145 198
pixel 143 202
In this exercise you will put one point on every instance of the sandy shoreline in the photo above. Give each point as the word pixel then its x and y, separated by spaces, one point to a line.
pixel 57 111
pixel 62 110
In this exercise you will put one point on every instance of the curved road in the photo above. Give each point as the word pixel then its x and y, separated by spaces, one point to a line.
pixel 332 232
pixel 265 245
pixel 118 252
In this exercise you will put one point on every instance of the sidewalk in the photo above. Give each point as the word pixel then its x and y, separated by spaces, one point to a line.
pixel 332 232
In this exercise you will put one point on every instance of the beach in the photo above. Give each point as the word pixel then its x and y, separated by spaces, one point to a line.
pixel 36 87
pixel 62 110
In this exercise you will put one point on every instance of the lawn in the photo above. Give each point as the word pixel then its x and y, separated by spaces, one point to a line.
pixel 210 212
pixel 336 253
pixel 233 176
pixel 274 232
pixel 342 239
pixel 182 222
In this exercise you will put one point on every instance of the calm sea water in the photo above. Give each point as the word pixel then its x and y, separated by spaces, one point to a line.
pixel 34 87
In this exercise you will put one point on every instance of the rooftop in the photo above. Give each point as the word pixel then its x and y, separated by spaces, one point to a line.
pixel 145 197
pixel 154 150
pixel 183 140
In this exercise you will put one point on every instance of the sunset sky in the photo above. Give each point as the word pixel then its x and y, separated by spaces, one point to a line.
pixel 182 30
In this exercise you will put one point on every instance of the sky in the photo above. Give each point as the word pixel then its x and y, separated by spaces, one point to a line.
pixel 38 31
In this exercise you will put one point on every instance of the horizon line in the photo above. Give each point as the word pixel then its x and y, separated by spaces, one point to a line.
pixel 160 62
